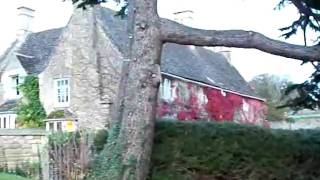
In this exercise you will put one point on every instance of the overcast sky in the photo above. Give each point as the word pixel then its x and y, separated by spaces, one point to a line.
pixel 257 15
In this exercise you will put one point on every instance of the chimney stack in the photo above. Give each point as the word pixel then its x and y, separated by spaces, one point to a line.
pixel 184 17
pixel 227 55
pixel 226 52
pixel 25 17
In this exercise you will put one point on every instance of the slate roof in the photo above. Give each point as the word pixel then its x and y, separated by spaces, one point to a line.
pixel 198 64
pixel 9 105
pixel 203 65
pixel 37 48
pixel 8 50
pixel 4 59
pixel 115 28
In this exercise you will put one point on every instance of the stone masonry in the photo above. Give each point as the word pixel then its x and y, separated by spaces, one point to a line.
pixel 87 57
pixel 21 146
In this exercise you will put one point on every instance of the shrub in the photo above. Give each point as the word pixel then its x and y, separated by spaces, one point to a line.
pixel 100 140
pixel 201 151
pixel 56 114
pixel 226 151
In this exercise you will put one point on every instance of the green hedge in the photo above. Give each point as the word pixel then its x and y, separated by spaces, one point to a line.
pixel 210 151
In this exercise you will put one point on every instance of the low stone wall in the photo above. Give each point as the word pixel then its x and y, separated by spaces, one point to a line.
pixel 21 146
pixel 298 124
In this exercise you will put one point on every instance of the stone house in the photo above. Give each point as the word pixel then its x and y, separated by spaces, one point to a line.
pixel 78 68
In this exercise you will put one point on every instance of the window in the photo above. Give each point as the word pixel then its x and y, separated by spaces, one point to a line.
pixel 62 91
pixel 51 126
pixel 4 122
pixel 7 121
pixel 165 89
pixel 15 83
pixel 59 126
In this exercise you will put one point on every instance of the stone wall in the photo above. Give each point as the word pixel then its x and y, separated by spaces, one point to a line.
pixel 21 146
pixel 311 123
pixel 92 63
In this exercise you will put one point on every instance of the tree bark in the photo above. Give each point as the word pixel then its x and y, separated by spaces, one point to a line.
pixel 141 89
pixel 177 33
pixel 127 153
pixel 129 148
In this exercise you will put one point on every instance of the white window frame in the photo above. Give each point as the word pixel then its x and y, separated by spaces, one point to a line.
pixel 14 82
pixel 9 120
pixel 166 90
pixel 64 89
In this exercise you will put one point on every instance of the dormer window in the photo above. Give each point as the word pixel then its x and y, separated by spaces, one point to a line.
pixel 62 89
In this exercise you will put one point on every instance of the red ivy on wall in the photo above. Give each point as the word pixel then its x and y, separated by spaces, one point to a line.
pixel 220 106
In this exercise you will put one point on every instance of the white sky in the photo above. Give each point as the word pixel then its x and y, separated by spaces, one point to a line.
pixel 254 15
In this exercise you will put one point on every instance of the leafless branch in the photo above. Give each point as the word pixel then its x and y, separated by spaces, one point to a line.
pixel 176 33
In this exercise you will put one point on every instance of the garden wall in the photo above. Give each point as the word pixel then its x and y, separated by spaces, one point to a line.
pixel 20 147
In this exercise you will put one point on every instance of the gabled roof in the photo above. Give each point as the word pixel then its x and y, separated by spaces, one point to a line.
pixel 198 64
pixel 4 60
pixel 194 63
pixel 8 50
pixel 115 28
pixel 203 65
pixel 36 50
pixel 8 106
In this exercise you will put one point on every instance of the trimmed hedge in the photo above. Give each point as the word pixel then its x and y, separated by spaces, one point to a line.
pixel 224 151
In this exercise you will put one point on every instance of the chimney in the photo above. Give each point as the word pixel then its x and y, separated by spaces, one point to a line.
pixel 25 17
pixel 226 52
pixel 184 17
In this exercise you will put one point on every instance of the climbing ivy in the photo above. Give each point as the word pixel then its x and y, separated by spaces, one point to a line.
pixel 30 110
pixel 109 164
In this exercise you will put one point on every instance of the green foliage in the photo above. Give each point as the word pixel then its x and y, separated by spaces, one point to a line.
pixel 191 150
pixel 56 114
pixel 309 17
pixel 108 165
pixel 30 110
pixel 100 140
pixel 84 3
pixel 307 93
pixel 271 88
pixel 61 138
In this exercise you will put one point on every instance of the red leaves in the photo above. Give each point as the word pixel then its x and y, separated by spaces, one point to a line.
pixel 193 102
pixel 220 107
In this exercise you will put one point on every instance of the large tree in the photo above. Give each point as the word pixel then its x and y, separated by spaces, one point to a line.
pixel 271 88
pixel 127 153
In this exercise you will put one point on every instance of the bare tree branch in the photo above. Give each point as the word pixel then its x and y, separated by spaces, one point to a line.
pixel 177 33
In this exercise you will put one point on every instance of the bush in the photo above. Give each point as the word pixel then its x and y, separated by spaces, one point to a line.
pixel 100 139
pixel 203 151
pixel 56 114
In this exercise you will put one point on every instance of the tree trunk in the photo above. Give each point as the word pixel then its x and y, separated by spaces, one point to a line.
pixel 127 153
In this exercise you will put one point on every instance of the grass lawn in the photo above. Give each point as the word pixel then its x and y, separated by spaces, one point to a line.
pixel 4 176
